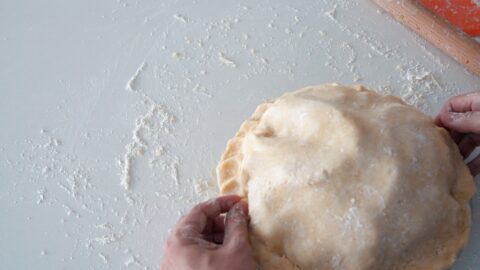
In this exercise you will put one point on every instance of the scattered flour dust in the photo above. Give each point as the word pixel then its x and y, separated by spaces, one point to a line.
pixel 180 18
pixel 132 83
pixel 206 188
pixel 331 14
pixel 108 238
pixel 132 260
pixel 226 61
pixel 418 85
pixel 149 128
pixel 147 134
pixel 41 193
pixel 103 257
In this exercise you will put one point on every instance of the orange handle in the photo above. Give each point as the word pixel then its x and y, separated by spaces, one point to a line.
pixel 456 44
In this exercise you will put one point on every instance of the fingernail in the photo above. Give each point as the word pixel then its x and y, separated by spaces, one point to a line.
pixel 236 212
pixel 238 209
pixel 454 116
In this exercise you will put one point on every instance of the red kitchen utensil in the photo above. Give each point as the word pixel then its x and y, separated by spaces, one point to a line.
pixel 464 14
pixel 436 30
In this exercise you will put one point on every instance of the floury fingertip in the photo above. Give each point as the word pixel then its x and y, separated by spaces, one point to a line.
pixel 237 210
pixel 454 116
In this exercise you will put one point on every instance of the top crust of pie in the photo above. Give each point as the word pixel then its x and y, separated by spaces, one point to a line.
pixel 343 178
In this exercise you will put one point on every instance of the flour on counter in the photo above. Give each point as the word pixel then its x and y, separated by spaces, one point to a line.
pixel 178 55
pixel 418 85
pixel 174 171
pixel 226 61
pixel 132 260
pixel 151 126
pixel 351 62
pixel 132 83
pixel 206 188
pixel 104 226
pixel 41 194
pixel 70 211
pixel 332 13
pixel 180 18
pixel 103 257
pixel 133 150
pixel 198 88
pixel 108 238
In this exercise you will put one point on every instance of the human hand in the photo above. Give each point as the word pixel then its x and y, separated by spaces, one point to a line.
pixel 204 239
pixel 461 117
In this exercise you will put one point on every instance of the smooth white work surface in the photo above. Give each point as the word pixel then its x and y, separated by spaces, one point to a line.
pixel 100 95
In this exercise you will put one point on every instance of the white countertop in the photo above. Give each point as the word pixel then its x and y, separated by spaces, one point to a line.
pixel 93 92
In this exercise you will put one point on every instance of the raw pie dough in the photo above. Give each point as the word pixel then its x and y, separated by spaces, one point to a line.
pixel 343 178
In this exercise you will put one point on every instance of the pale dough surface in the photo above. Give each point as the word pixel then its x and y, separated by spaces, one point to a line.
pixel 343 178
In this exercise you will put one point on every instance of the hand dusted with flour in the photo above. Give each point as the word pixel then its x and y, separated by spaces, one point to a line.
pixel 343 178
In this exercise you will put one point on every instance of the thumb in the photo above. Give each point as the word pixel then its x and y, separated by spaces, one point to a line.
pixel 467 122
pixel 236 226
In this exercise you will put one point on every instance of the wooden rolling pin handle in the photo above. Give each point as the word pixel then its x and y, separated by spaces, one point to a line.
pixel 441 34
